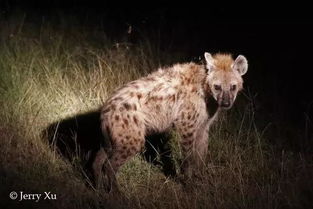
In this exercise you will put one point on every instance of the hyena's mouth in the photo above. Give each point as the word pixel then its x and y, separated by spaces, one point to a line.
pixel 224 102
pixel 225 106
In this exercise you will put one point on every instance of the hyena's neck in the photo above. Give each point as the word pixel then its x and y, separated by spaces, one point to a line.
pixel 211 106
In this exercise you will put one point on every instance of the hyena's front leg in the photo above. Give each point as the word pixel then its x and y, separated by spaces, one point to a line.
pixel 188 136
pixel 194 147
pixel 194 141
pixel 200 149
pixel 186 143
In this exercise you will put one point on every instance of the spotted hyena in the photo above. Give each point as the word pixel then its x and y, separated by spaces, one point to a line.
pixel 186 97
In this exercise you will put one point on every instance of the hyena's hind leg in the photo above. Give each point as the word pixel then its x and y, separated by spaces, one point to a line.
pixel 100 160
pixel 122 151
pixel 127 139
pixel 104 171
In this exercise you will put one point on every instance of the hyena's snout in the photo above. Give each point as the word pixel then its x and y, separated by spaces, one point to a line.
pixel 225 100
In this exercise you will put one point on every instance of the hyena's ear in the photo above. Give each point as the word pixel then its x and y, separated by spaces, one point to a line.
pixel 209 61
pixel 241 65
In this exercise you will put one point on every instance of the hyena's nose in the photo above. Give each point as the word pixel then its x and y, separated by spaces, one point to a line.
pixel 225 104
pixel 225 100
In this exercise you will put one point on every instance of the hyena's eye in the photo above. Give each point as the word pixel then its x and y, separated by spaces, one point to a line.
pixel 233 87
pixel 217 87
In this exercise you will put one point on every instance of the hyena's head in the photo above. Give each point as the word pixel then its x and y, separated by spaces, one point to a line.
pixel 224 77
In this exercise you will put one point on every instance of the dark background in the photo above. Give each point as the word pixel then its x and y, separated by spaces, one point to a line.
pixel 276 39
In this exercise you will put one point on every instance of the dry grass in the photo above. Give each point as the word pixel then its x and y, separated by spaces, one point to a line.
pixel 61 72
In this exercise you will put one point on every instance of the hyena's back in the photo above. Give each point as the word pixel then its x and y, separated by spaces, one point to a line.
pixel 153 102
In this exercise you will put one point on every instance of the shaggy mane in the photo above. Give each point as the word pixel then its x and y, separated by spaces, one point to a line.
pixel 223 61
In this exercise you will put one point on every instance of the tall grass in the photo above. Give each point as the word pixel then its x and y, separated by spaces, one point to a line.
pixel 51 73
